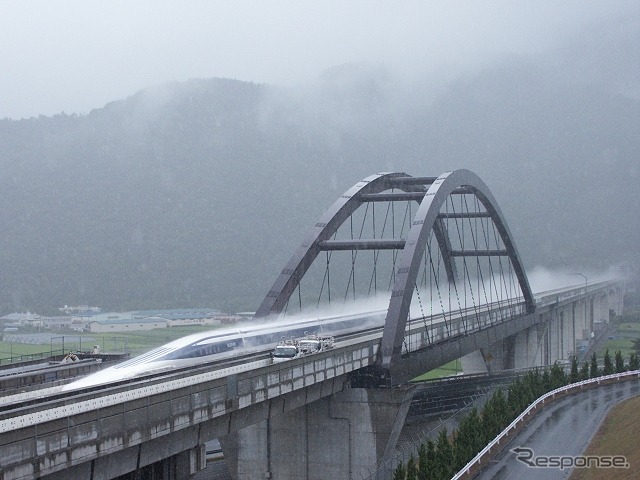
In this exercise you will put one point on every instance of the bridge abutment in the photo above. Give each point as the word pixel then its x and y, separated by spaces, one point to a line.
pixel 345 436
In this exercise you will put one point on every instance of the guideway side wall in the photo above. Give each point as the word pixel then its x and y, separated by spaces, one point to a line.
pixel 342 436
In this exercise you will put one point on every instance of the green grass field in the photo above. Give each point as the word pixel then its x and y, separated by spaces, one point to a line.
pixel 9 349
pixel 630 329
pixel 133 342
pixel 623 344
pixel 447 370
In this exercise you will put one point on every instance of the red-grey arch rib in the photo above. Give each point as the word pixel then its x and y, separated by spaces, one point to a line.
pixel 336 215
pixel 299 263
pixel 425 220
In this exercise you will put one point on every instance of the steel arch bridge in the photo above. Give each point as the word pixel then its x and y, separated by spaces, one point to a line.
pixel 454 254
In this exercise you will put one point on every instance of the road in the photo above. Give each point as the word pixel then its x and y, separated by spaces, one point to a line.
pixel 564 428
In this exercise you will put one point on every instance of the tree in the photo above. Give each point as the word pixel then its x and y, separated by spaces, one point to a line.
pixel 422 462
pixel 537 382
pixel 584 371
pixel 546 381
pixel 427 461
pixel 444 456
pixel 634 362
pixel 593 369
pixel 412 473
pixel 608 364
pixel 619 362
pixel 468 439
pixel 495 416
pixel 636 345
pixel 557 376
pixel 574 376
pixel 400 473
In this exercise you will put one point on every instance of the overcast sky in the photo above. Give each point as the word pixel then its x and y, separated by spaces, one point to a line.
pixel 74 56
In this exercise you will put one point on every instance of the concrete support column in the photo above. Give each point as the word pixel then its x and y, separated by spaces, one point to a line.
pixel 596 302
pixel 567 336
pixel 190 462
pixel 554 337
pixel 343 436
pixel 616 300
pixel 181 466
pixel 602 308
pixel 531 346
pixel 473 363
pixel 527 351
pixel 582 319
pixel 502 355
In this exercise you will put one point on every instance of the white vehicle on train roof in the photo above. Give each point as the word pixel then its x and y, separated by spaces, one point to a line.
pixel 220 345
pixel 307 345
pixel 285 350
pixel 314 344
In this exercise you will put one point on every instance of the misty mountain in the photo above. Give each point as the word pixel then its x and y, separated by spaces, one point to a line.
pixel 196 193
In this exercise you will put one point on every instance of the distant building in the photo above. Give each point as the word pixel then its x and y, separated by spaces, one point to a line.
pixel 79 310
pixel 190 316
pixel 126 325
pixel 21 318
pixel 91 319
pixel 16 321
pixel 61 323
pixel 150 319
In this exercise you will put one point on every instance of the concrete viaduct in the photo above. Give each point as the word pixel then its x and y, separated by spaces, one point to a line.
pixel 338 413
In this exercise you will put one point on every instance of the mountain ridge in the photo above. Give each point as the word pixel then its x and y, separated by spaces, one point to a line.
pixel 196 193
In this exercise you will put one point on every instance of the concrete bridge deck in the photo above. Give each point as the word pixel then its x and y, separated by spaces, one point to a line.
pixel 113 431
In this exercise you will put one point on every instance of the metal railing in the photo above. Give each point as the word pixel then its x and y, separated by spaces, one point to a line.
pixel 475 465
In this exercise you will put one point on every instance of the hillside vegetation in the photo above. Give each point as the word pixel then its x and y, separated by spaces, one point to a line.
pixel 196 193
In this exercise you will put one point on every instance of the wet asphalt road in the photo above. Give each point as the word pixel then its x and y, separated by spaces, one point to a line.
pixel 563 428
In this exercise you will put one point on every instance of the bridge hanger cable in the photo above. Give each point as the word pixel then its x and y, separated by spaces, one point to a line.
pixel 375 257
pixel 392 280
pixel 376 253
pixel 327 275
pixel 354 253
pixel 503 286
pixel 437 284
pixel 467 272
pixel 486 236
pixel 326 279
pixel 476 247
pixel 428 253
pixel 461 243
pixel 464 208
pixel 407 215
pixel 384 228
pixel 353 262
pixel 424 320
pixel 497 277
pixel 424 285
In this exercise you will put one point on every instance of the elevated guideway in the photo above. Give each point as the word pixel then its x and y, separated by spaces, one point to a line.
pixel 455 286
pixel 124 428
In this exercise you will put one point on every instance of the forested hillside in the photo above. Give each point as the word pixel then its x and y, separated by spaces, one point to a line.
pixel 196 193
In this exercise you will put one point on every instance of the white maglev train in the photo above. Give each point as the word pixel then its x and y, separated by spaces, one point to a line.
pixel 222 344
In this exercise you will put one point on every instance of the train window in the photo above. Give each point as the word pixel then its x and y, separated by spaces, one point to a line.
pixel 200 350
